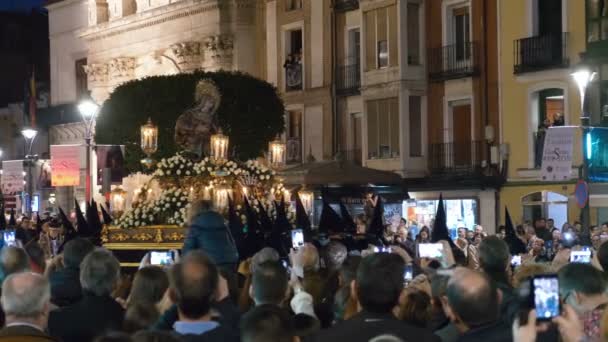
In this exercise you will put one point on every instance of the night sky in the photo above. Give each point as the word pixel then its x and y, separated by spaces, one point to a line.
pixel 20 5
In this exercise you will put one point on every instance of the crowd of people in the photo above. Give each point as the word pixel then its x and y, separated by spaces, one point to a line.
pixel 407 286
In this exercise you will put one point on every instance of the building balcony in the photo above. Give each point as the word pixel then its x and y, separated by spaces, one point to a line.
pixel 453 61
pixel 346 5
pixel 455 158
pixel 539 53
pixel 348 79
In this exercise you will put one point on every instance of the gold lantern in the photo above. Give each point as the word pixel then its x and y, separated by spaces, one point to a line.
pixel 149 142
pixel 118 201
pixel 277 153
pixel 219 146
pixel 307 197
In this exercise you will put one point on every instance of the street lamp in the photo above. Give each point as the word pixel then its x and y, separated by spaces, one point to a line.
pixel 88 110
pixel 29 134
pixel 583 76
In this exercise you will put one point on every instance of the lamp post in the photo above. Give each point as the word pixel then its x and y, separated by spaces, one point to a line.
pixel 29 134
pixel 88 110
pixel 582 75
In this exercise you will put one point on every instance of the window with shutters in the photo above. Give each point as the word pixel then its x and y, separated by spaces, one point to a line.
pixel 383 128
pixel 413 33
pixel 381 37
pixel 82 87
pixel 415 131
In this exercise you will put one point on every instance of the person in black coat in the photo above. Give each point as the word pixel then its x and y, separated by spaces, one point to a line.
pixel 208 232
pixel 65 283
pixel 377 288
pixel 97 312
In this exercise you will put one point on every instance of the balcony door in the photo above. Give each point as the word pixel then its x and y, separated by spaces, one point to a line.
pixel 357 132
pixel 549 30
pixel 461 33
pixel 461 145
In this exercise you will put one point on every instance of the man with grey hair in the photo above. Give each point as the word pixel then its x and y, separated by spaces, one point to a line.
pixel 14 260
pixel 26 302
pixel 97 312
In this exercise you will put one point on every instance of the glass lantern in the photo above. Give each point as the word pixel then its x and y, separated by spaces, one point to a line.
pixel 118 201
pixel 219 146
pixel 307 198
pixel 149 138
pixel 277 153
pixel 220 197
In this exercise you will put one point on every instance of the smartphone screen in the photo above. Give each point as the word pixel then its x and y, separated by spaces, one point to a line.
pixel 430 250
pixel 516 260
pixel 297 238
pixel 583 257
pixel 9 238
pixel 408 273
pixel 545 293
pixel 161 258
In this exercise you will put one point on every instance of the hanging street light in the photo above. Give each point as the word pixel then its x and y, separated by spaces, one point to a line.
pixel 149 142
pixel 219 146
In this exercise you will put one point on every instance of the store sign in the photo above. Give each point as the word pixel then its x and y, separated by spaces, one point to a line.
pixel 557 154
pixel 12 177
pixel 65 165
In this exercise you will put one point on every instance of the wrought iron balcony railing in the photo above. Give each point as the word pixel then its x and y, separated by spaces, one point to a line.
pixel 544 52
pixel 348 79
pixel 453 61
pixel 346 5
pixel 457 157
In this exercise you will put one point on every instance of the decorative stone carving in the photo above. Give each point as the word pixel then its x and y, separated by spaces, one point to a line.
pixel 121 67
pixel 143 5
pixel 98 12
pixel 219 46
pixel 97 72
pixel 187 55
pixel 121 8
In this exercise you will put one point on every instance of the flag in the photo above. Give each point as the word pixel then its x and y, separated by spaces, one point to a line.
pixel 29 101
pixel 302 220
pixel 516 246
pixel 330 221
pixel 349 223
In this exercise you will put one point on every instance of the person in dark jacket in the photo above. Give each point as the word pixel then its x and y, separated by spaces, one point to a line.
pixel 195 282
pixel 97 312
pixel 377 288
pixel 65 283
pixel 208 232
pixel 474 307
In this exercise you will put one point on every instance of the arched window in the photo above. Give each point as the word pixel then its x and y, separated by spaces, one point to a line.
pixel 545 204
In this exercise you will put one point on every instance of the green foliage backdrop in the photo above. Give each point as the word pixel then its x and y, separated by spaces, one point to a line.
pixel 251 113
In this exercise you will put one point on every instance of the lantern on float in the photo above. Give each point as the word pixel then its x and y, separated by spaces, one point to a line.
pixel 149 142
pixel 118 201
pixel 277 153
pixel 220 197
pixel 219 146
pixel 307 198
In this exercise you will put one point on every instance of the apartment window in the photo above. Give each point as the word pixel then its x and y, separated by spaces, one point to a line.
pixel 82 87
pixel 294 136
pixel 383 128
pixel 413 33
pixel 354 46
pixel 461 32
pixel 381 38
pixel 597 20
pixel 292 5
pixel 415 132
pixel 293 63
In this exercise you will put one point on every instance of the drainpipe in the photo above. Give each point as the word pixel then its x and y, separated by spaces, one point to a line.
pixel 334 102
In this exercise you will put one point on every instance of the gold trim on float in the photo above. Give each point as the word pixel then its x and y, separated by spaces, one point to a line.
pixel 129 264
pixel 142 246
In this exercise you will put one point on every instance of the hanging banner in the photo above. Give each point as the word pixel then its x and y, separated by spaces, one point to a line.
pixel 557 154
pixel 65 165
pixel 12 177
pixel 110 160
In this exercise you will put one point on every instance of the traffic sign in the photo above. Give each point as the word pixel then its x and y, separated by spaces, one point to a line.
pixel 581 193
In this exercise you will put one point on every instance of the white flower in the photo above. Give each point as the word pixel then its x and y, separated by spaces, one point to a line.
pixel 178 172
pixel 187 173
pixel 168 172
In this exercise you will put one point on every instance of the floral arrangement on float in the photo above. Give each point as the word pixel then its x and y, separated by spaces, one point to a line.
pixel 183 180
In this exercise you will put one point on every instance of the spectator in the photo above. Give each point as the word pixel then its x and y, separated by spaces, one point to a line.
pixel 26 303
pixel 538 252
pixel 494 260
pixel 139 316
pixel 461 241
pixel 473 251
pixel 208 232
pixel 247 268
pixel 377 289
pixel 473 306
pixel 502 232
pixel 269 284
pixel 267 323
pixel 149 286
pixel 65 283
pixel 583 287
pixel 97 312
pixel 195 283
pixel 36 257
pixel 154 336
pixel 113 337
pixel 550 225
pixel 26 231
pixel 529 270
pixel 334 256
pixel 416 308
pixel 14 260
pixel 602 256
pixel 440 322
pixel 344 304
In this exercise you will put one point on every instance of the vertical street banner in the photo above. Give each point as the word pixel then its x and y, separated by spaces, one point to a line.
pixel 12 177
pixel 557 154
pixel 65 165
